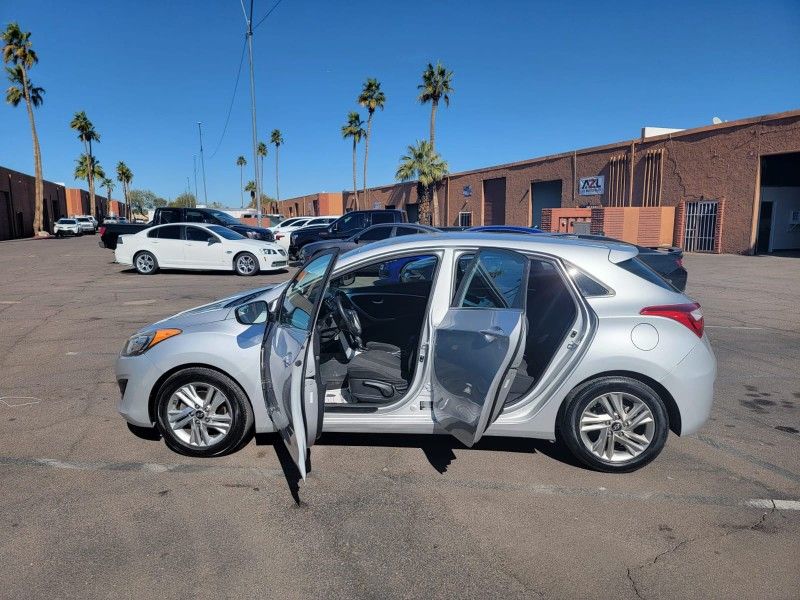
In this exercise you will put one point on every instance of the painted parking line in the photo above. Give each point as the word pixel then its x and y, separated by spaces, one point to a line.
pixel 601 493
pixel 17 401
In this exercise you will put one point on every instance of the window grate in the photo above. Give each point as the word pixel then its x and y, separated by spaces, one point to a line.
pixel 653 177
pixel 465 219
pixel 617 176
pixel 701 226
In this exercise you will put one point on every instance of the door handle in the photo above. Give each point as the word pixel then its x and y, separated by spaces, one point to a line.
pixel 378 301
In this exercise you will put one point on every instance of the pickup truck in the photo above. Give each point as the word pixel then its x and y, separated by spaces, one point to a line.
pixel 344 227
pixel 109 233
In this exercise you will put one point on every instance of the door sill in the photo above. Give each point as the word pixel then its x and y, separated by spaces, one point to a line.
pixel 349 408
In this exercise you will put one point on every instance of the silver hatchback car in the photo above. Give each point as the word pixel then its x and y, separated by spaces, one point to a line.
pixel 466 334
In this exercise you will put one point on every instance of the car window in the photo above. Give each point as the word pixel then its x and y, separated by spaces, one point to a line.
pixel 375 233
pixel 350 222
pixel 195 234
pixel 83 219
pixel 408 231
pixel 170 232
pixel 226 233
pixel 288 222
pixel 196 216
pixel 587 285
pixel 406 269
pixel 382 217
pixel 493 279
pixel 638 268
pixel 300 223
pixel 169 215
pixel 303 293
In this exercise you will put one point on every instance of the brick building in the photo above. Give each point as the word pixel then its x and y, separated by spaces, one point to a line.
pixel 17 196
pixel 729 187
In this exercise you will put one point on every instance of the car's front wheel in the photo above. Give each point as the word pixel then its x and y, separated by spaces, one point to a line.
pixel 245 264
pixel 202 412
pixel 145 263
pixel 614 424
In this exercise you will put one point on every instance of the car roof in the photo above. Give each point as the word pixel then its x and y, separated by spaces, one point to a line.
pixel 568 248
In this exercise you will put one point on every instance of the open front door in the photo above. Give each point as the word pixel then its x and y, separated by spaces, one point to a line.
pixel 478 346
pixel 290 362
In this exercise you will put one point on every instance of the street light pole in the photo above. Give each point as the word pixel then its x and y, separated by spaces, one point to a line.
pixel 249 21
pixel 202 163
pixel 194 170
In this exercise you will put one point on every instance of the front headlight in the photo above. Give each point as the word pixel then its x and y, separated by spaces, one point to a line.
pixel 139 343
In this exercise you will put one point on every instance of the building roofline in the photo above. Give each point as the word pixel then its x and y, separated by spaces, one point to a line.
pixel 593 149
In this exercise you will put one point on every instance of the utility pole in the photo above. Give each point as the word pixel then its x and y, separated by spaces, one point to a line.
pixel 203 163
pixel 249 22
pixel 194 169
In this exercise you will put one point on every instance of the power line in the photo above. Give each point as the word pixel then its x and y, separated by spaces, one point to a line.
pixel 269 12
pixel 233 97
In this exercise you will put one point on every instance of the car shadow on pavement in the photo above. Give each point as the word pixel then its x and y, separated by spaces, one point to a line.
pixel 439 449
pixel 209 273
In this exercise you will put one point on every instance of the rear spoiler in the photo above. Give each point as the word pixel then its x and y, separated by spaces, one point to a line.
pixel 622 252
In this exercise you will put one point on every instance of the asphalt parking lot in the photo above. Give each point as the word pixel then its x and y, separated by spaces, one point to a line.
pixel 89 510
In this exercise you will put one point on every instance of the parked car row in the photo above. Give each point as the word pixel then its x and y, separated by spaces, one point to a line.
pixel 470 334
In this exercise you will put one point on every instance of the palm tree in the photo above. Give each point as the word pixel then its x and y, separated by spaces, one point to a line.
pixel 262 151
pixel 89 169
pixel 241 162
pixel 436 86
pixel 251 188
pixel 125 176
pixel 87 134
pixel 108 183
pixel 277 139
pixel 371 98
pixel 427 167
pixel 354 129
pixel 18 52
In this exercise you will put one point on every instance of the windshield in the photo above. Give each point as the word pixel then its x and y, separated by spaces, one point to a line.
pixel 224 217
pixel 226 233
pixel 66 221
pixel 83 219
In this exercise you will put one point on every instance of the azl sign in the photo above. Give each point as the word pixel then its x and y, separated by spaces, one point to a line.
pixel 592 186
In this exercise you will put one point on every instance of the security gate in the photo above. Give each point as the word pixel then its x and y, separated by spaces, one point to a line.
pixel 701 226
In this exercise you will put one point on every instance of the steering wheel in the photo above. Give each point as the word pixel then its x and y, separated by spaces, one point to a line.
pixel 348 318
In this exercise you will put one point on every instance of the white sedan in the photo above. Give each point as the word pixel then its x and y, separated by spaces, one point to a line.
pixel 197 246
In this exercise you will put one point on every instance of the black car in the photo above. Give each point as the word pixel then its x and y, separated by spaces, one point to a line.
pixel 371 234
pixel 344 227
pixel 667 262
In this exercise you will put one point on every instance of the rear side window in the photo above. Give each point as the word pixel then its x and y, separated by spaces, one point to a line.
pixel 170 232
pixel 374 234
pixel 587 286
pixel 169 215
pixel 382 217
pixel 638 268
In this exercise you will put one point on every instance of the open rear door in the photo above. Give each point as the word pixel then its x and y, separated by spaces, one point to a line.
pixel 289 361
pixel 478 346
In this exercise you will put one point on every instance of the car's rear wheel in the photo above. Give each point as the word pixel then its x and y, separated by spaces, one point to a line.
pixel 145 263
pixel 202 412
pixel 245 264
pixel 614 424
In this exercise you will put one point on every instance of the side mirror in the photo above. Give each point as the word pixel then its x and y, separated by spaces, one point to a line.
pixel 252 313
pixel 213 240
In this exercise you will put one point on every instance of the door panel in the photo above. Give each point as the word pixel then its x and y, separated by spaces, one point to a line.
pixel 289 359
pixel 478 346
pixel 198 252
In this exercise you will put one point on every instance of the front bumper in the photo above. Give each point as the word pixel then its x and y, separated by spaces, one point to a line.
pixel 136 376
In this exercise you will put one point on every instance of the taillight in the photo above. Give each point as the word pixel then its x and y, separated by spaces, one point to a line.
pixel 102 230
pixel 689 315
pixel 279 236
pixel 679 262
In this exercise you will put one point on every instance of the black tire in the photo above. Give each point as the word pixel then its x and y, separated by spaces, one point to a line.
pixel 246 264
pixel 147 259
pixel 240 412
pixel 586 394
pixel 58 234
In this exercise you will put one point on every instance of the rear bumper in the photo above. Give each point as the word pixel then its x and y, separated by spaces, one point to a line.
pixel 691 384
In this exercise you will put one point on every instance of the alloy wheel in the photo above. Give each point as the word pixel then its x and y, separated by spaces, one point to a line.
pixel 616 427
pixel 245 264
pixel 145 263
pixel 199 414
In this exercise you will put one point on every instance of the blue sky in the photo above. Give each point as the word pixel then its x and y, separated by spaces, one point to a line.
pixel 530 79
